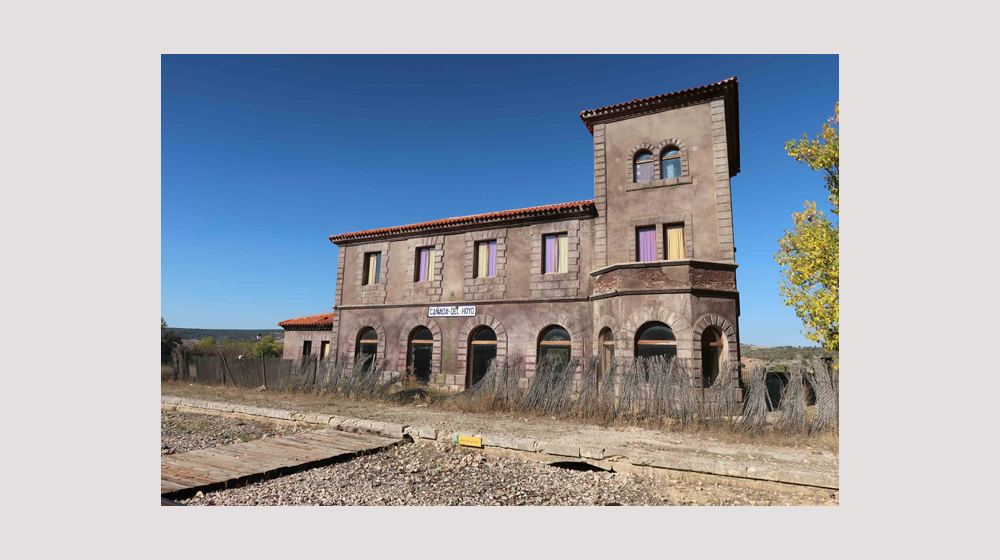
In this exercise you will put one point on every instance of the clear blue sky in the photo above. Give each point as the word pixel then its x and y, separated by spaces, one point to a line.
pixel 264 157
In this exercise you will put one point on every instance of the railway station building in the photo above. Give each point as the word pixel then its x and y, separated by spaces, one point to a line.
pixel 645 267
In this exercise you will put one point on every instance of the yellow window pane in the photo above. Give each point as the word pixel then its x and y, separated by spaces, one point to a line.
pixel 675 243
pixel 563 254
pixel 430 264
pixel 484 260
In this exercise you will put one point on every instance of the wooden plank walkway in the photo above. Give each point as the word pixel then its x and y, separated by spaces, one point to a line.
pixel 184 474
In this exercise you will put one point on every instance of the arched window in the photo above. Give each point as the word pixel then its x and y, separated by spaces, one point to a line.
pixel 607 340
pixel 482 349
pixel 712 348
pixel 367 347
pixel 670 163
pixel 419 354
pixel 655 339
pixel 555 344
pixel 643 167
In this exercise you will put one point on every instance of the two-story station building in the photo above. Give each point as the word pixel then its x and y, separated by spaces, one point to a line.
pixel 646 267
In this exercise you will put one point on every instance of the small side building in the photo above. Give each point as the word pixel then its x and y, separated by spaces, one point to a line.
pixel 308 335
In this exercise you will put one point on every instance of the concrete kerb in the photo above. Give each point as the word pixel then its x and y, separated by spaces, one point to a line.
pixel 611 458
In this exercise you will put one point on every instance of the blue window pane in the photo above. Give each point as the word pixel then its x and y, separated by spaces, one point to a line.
pixel 670 169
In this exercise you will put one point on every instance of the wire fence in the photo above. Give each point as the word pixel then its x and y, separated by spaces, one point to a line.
pixel 804 400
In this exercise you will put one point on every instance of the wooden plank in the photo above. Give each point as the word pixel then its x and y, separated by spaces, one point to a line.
pixel 170 486
pixel 186 472
pixel 233 466
pixel 194 470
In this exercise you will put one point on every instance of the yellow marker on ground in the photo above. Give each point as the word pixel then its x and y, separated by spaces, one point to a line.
pixel 470 441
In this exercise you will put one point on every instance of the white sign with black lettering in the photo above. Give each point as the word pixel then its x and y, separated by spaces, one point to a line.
pixel 452 311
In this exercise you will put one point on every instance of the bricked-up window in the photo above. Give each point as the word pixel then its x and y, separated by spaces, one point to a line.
pixel 486 259
pixel 307 348
pixel 373 267
pixel 324 349
pixel 674 241
pixel 367 347
pixel 643 167
pixel 424 270
pixel 670 163
pixel 555 253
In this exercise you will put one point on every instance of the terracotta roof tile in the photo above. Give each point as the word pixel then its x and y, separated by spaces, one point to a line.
pixel 310 320
pixel 488 217
pixel 584 115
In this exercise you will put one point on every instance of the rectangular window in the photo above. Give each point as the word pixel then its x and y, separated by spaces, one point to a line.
pixel 373 267
pixel 486 259
pixel 675 242
pixel 555 253
pixel 307 348
pixel 645 242
pixel 324 349
pixel 425 265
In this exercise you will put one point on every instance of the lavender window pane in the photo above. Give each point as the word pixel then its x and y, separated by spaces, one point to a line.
pixel 647 245
pixel 493 258
pixel 550 253
pixel 423 266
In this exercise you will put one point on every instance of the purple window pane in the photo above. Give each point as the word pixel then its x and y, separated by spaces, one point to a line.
pixel 493 258
pixel 647 245
pixel 550 253
pixel 423 265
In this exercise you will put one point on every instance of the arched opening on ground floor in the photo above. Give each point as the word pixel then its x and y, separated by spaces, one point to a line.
pixel 482 351
pixel 419 354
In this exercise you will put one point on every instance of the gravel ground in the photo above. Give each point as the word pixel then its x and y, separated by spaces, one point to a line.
pixel 181 432
pixel 438 474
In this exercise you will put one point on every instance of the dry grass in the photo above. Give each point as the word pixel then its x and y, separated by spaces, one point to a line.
pixel 655 392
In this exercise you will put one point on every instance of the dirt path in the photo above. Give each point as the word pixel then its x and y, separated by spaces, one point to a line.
pixel 819 455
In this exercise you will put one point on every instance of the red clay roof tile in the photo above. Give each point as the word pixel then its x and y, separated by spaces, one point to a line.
pixel 489 216
pixel 586 114
pixel 310 320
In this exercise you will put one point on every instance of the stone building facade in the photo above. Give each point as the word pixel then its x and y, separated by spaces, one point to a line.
pixel 647 266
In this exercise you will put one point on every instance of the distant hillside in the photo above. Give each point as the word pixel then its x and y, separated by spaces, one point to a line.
pixel 779 353
pixel 236 335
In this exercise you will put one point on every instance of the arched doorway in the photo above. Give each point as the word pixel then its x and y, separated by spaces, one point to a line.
pixel 555 344
pixel 482 350
pixel 419 353
pixel 712 351
pixel 367 347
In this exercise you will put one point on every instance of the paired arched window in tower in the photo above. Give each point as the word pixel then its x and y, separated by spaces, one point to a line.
pixel 643 167
pixel 670 165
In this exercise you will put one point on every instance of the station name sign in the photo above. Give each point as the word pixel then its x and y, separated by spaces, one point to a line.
pixel 452 311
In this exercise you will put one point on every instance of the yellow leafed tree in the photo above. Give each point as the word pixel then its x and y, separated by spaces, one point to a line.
pixel 809 254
